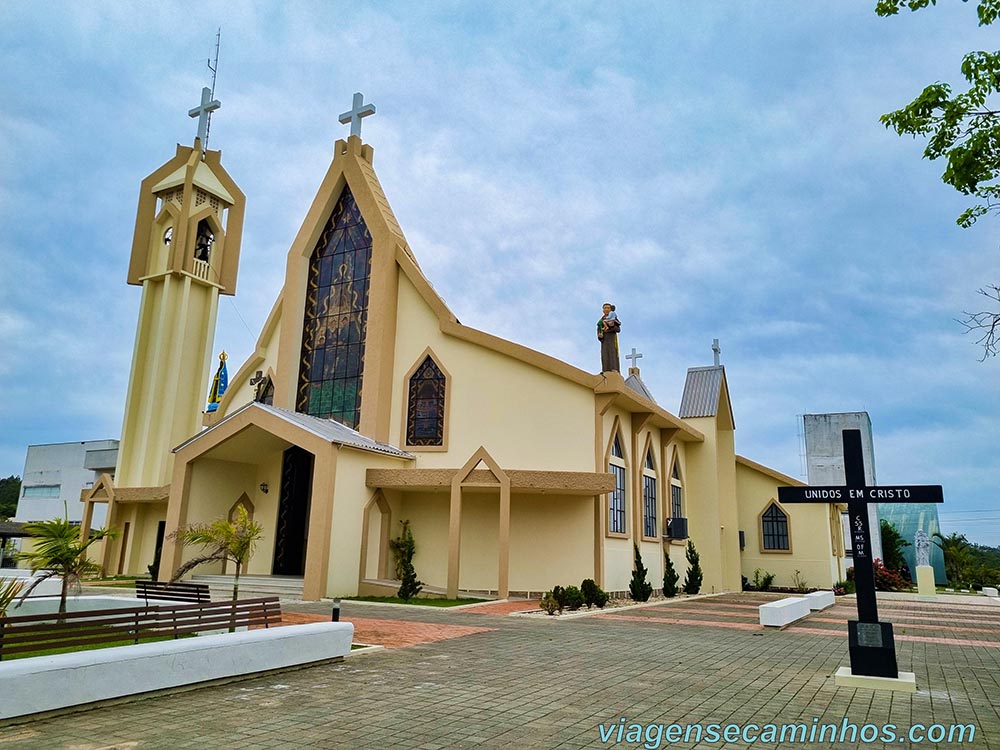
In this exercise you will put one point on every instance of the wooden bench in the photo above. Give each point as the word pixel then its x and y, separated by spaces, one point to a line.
pixel 27 633
pixel 783 612
pixel 173 592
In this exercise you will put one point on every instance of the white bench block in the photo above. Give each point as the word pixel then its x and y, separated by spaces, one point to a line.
pixel 990 591
pixel 820 600
pixel 783 612
pixel 45 683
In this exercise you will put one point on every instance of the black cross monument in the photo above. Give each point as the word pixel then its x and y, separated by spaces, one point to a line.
pixel 873 651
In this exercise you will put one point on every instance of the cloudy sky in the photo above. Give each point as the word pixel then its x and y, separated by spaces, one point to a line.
pixel 716 169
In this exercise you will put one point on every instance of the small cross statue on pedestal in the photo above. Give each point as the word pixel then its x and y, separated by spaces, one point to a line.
pixel 203 111
pixel 356 112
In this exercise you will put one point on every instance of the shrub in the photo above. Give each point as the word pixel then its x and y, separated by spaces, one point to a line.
pixel 799 583
pixel 572 598
pixel 888 580
pixel 593 594
pixel 549 603
pixel 845 587
pixel 601 599
pixel 692 581
pixel 670 577
pixel 639 588
pixel 559 594
pixel 403 547
pixel 762 580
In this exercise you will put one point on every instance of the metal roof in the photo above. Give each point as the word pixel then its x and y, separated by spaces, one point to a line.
pixel 701 392
pixel 327 429
pixel 636 384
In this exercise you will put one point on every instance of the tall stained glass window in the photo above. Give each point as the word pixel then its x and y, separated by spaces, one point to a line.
pixel 336 317
pixel 425 406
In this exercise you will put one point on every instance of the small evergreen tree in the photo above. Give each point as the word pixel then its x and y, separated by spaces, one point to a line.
pixel 892 546
pixel 639 588
pixel 403 547
pixel 692 581
pixel 670 576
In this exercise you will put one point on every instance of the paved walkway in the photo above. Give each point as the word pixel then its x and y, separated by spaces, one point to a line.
pixel 520 682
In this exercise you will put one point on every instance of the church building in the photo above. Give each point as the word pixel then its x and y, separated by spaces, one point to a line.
pixel 366 403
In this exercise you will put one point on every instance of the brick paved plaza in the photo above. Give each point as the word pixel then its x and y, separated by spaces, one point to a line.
pixel 486 679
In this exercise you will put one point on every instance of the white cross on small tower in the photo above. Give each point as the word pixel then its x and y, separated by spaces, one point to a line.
pixel 202 112
pixel 716 351
pixel 635 357
pixel 356 112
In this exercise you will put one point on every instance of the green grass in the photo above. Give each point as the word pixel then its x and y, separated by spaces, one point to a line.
pixel 90 647
pixel 426 602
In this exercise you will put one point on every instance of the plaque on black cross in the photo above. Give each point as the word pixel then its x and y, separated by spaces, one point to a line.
pixel 873 651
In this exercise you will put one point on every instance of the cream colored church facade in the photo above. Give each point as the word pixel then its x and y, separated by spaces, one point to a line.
pixel 366 402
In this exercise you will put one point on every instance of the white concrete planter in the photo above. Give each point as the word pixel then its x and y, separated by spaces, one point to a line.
pixel 46 683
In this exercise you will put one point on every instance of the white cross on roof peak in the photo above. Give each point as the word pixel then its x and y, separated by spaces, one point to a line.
pixel 356 112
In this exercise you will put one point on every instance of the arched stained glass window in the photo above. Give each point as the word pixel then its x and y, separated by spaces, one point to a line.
pixel 336 317
pixel 425 406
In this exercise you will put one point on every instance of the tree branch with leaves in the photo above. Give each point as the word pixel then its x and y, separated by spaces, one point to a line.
pixel 963 129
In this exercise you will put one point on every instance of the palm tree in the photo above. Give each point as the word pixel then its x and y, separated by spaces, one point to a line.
pixel 222 540
pixel 59 550
pixel 955 548
pixel 9 589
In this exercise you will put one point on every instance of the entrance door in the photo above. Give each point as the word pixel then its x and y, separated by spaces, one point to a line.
pixel 293 513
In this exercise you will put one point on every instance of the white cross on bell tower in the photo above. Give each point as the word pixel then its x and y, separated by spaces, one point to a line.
pixel 356 112
pixel 203 111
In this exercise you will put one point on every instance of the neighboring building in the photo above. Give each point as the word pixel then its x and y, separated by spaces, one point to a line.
pixel 366 402
pixel 56 473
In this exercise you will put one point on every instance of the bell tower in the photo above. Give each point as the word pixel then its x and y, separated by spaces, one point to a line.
pixel 185 253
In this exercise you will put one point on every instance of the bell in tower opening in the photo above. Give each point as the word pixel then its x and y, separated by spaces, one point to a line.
pixel 203 241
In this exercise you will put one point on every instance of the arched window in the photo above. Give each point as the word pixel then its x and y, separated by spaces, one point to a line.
pixel 676 493
pixel 774 529
pixel 426 405
pixel 336 318
pixel 649 528
pixel 617 498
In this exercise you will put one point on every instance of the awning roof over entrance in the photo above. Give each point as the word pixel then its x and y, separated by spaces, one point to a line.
pixel 536 482
pixel 326 429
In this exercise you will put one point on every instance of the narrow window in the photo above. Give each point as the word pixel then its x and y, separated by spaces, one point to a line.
pixel 425 406
pixel 617 498
pixel 649 528
pixel 676 494
pixel 774 525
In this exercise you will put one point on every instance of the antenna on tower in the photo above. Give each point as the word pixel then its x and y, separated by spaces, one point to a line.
pixel 214 67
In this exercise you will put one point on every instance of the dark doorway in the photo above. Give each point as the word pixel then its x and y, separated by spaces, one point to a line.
pixel 293 513
pixel 154 569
